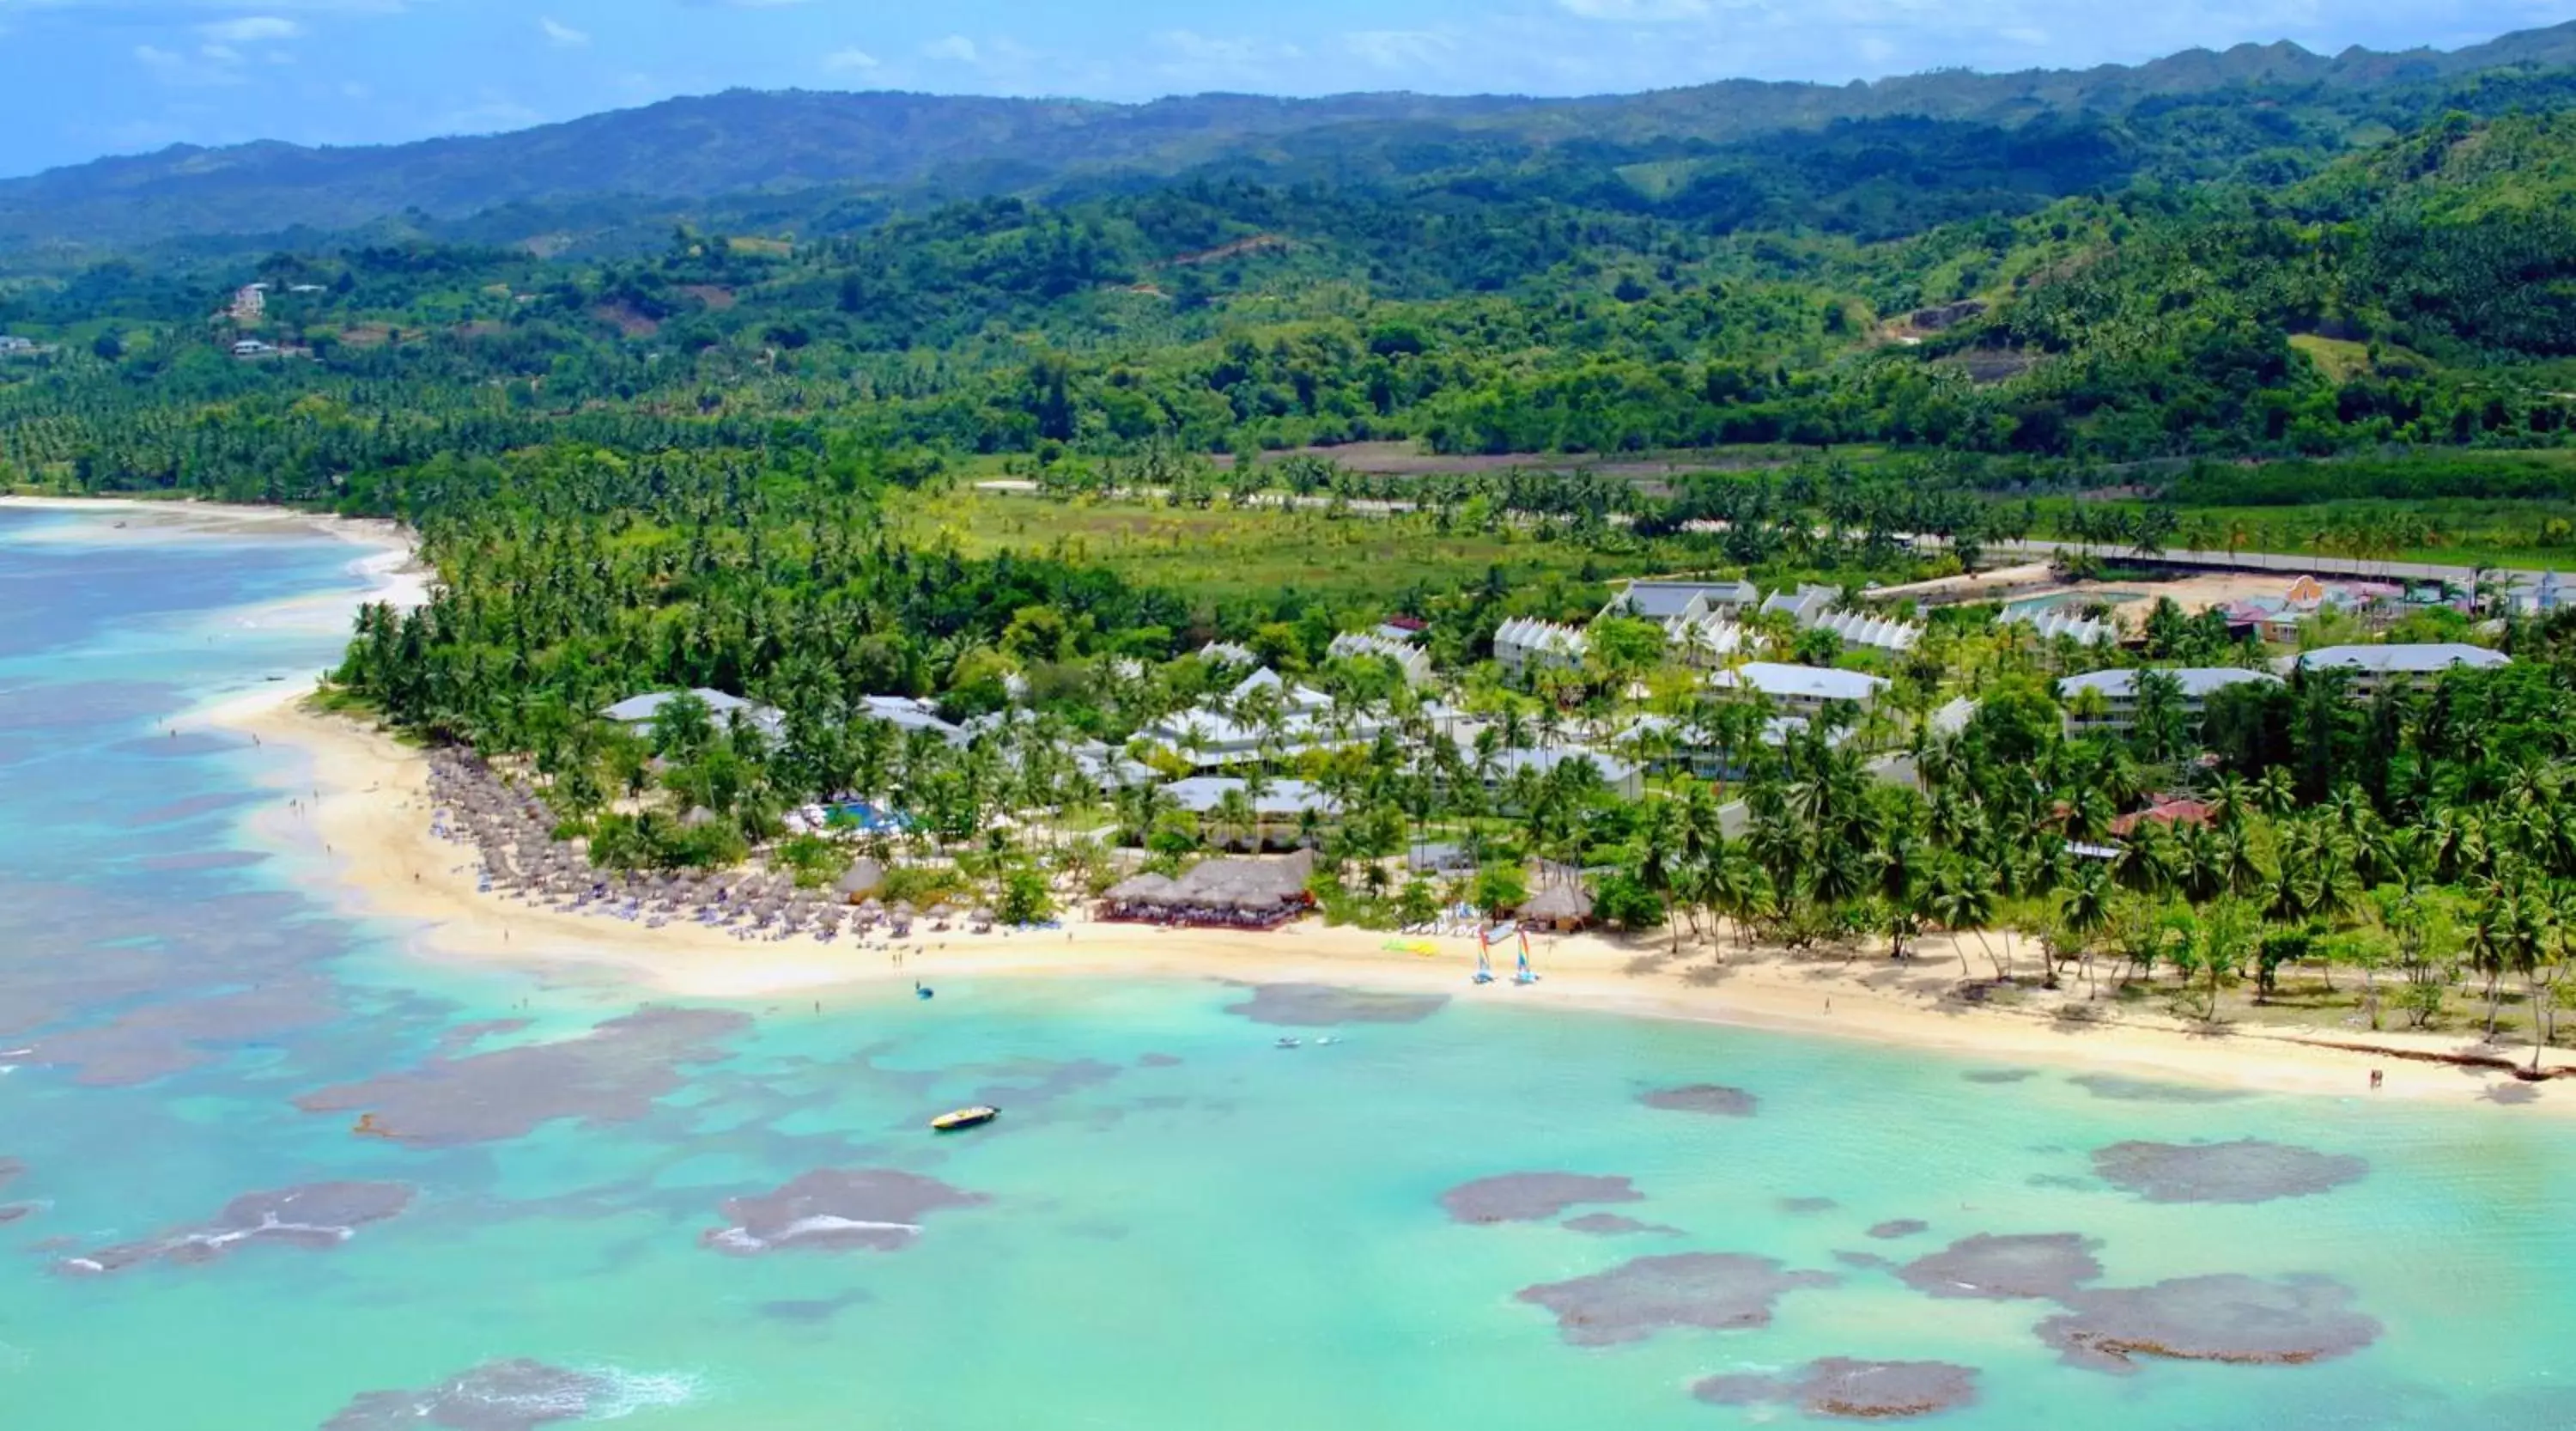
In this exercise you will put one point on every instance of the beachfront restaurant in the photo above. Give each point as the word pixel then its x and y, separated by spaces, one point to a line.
pixel 1216 894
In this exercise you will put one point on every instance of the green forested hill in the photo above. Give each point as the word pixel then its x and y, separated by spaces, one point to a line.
pixel 817 160
pixel 2377 255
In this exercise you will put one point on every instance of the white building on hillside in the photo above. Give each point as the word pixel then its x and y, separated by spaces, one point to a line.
pixel 1227 732
pixel 1412 660
pixel 2050 624
pixel 639 712
pixel 2418 667
pixel 1802 690
pixel 1874 633
pixel 1523 643
pixel 1664 601
pixel 2119 692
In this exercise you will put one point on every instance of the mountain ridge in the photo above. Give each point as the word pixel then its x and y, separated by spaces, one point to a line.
pixel 753 142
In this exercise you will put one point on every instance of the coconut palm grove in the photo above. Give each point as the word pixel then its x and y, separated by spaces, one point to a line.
pixel 2119 534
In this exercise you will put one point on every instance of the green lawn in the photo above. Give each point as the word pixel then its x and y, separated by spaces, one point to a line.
pixel 1217 552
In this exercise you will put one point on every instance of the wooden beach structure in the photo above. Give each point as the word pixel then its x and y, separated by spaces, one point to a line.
pixel 1217 894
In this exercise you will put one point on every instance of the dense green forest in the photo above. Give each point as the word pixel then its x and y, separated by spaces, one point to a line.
pixel 1462 365
pixel 2316 271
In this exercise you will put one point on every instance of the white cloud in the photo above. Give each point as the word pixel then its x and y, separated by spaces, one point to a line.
pixel 247 28
pixel 1196 48
pixel 1635 10
pixel 212 65
pixel 561 35
pixel 845 61
pixel 953 47
pixel 1398 49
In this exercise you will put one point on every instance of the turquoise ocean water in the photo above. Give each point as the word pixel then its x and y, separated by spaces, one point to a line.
pixel 680 1217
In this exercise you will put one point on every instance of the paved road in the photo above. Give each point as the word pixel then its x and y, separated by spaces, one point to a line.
pixel 2287 565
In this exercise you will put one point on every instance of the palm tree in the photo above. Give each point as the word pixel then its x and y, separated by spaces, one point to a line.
pixel 1963 902
pixel 2084 910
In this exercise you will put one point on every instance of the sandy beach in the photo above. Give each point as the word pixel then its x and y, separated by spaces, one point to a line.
pixel 363 805
pixel 365 801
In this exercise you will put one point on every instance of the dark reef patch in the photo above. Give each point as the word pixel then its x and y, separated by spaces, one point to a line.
pixel 1159 1060
pixel 1611 1224
pixel 2000 1075
pixel 1531 1197
pixel 1714 1100
pixel 201 863
pixel 2246 1171
pixel 1900 1227
pixel 813 1311
pixel 833 1210
pixel 2225 1318
pixel 1317 1006
pixel 156 1041
pixel 1863 1261
pixel 1987 1267
pixel 496 1396
pixel 1805 1205
pixel 1843 1389
pixel 1718 1291
pixel 2139 1090
pixel 613 1074
pixel 1033 1083
pixel 192 808
pixel 316 1216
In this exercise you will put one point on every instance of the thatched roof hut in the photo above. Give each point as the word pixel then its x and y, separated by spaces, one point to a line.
pixel 1564 906
pixel 863 878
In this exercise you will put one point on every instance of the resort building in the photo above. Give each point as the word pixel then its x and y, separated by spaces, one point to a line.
pixel 1802 690
pixel 1665 602
pixel 1690 748
pixel 1412 660
pixel 638 712
pixel 2169 811
pixel 2118 691
pixel 2278 618
pixel 1523 644
pixel 1217 734
pixel 1623 778
pixel 1227 893
pixel 908 715
pixel 1806 606
pixel 1228 653
pixel 1281 800
pixel 1819 608
pixel 2050 624
pixel 2417 667
pixel 1874 633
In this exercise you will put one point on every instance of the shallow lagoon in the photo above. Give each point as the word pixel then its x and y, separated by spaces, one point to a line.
pixel 1484 1212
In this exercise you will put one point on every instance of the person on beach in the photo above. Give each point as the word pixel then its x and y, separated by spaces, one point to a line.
pixel 2376 1077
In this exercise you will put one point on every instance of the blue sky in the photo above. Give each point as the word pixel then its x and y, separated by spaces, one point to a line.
pixel 82 78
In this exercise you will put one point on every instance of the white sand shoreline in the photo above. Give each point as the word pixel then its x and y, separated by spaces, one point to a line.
pixel 372 813
pixel 365 802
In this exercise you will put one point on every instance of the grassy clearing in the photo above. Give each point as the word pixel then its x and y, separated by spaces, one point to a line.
pixel 2447 531
pixel 1219 553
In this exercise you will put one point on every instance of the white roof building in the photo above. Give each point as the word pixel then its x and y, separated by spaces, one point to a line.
pixel 1671 600
pixel 2432 658
pixel 2197 683
pixel 1523 642
pixel 908 715
pixel 1412 660
pixel 1279 799
pixel 641 710
pixel 2051 624
pixel 1801 689
pixel 1874 632
pixel 2418 666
